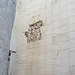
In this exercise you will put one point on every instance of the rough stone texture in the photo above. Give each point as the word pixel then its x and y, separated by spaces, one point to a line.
pixel 7 13
pixel 54 54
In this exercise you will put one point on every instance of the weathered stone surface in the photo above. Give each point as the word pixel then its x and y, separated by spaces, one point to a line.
pixel 54 54
pixel 7 14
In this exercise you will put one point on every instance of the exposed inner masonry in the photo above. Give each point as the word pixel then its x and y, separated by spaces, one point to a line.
pixel 34 33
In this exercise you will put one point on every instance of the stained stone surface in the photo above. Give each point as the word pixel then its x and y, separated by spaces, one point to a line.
pixel 7 14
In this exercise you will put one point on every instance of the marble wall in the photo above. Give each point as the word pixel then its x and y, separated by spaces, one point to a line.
pixel 7 15
pixel 54 54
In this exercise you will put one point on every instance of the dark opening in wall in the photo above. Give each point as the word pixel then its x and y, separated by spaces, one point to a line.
pixel 10 52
